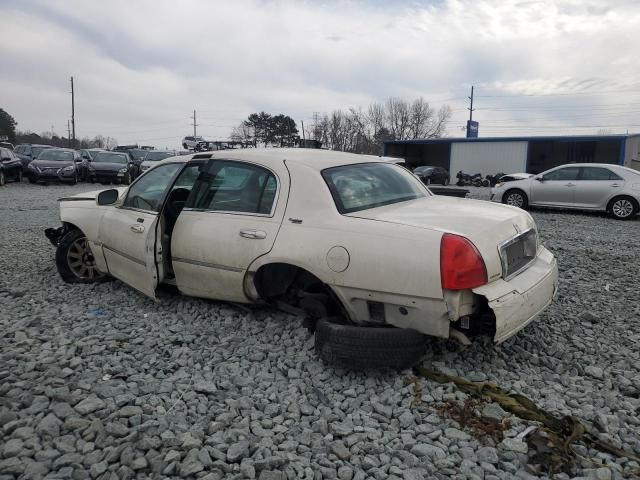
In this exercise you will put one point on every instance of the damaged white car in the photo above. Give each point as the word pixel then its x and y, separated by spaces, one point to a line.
pixel 356 244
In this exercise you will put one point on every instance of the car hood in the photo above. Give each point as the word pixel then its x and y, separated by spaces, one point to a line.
pixel 92 195
pixel 486 224
pixel 107 167
pixel 50 163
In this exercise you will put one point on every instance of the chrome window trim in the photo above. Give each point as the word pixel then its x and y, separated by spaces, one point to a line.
pixel 510 241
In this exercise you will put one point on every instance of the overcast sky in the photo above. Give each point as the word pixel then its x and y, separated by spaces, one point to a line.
pixel 141 67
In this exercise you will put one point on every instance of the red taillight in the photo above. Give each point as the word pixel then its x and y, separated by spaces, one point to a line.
pixel 461 265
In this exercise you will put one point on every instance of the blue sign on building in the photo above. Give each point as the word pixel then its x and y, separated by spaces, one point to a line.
pixel 472 129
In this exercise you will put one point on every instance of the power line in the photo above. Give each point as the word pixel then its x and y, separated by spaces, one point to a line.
pixel 600 92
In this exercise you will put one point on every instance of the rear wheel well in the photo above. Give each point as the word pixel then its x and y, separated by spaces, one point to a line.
pixel 290 286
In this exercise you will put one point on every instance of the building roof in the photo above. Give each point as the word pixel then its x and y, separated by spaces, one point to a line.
pixel 560 138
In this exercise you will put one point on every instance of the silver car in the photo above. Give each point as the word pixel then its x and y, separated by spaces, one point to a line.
pixel 583 186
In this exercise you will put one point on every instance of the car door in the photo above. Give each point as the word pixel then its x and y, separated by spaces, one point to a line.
pixel 127 231
pixel 555 187
pixel 231 218
pixel 596 186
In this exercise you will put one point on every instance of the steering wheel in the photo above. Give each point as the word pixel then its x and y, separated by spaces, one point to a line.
pixel 137 201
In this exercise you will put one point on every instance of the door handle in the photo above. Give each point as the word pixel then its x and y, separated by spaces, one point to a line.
pixel 615 185
pixel 254 234
pixel 137 228
pixel 570 184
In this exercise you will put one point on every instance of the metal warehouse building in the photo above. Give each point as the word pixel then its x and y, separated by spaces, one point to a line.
pixel 489 156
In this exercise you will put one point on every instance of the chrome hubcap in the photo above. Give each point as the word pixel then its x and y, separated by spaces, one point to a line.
pixel 515 200
pixel 622 208
pixel 81 261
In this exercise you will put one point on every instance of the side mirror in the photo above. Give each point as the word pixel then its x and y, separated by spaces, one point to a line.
pixel 108 197
pixel 540 179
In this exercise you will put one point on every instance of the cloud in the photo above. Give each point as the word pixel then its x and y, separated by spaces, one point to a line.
pixel 142 67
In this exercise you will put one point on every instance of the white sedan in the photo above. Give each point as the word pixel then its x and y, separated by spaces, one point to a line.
pixel 582 186
pixel 355 243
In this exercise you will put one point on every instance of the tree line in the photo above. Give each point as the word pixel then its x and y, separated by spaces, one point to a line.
pixel 353 130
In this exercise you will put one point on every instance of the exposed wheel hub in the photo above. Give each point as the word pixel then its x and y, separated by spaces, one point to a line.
pixel 81 261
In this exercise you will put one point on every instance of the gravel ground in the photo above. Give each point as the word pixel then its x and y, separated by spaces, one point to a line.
pixel 191 388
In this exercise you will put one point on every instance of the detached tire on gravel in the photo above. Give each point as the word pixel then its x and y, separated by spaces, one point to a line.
pixel 368 347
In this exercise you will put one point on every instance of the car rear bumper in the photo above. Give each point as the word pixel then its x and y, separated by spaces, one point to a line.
pixel 517 302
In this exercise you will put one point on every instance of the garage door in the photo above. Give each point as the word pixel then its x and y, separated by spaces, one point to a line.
pixel 488 158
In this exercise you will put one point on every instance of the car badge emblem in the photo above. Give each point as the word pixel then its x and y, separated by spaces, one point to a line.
pixel 516 227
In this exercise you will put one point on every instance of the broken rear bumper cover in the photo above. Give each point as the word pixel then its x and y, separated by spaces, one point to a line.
pixel 518 302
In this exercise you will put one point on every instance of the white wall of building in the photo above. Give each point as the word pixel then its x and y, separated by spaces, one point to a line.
pixel 488 158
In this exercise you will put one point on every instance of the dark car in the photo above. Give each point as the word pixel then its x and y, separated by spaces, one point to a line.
pixel 137 157
pixel 10 166
pixel 430 175
pixel 27 152
pixel 111 167
pixel 87 155
pixel 55 164
pixel 155 156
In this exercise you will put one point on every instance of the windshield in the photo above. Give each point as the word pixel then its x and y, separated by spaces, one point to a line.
pixel 35 151
pixel 369 185
pixel 107 157
pixel 423 169
pixel 156 156
pixel 55 155
pixel 138 154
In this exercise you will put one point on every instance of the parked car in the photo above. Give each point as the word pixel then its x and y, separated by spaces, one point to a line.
pixel 430 175
pixel 111 167
pixel 154 157
pixel 137 156
pixel 7 145
pixel 583 186
pixel 55 164
pixel 10 166
pixel 87 155
pixel 328 234
pixel 27 152
pixel 190 142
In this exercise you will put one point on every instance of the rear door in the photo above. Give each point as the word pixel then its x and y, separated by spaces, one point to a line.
pixel 555 188
pixel 128 232
pixel 596 186
pixel 231 218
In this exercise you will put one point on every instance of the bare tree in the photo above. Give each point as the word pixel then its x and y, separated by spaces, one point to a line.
pixel 398 118
pixel 242 133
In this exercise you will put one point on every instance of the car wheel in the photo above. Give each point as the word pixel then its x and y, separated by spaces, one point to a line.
pixel 127 179
pixel 75 261
pixel 74 180
pixel 184 145
pixel 2 179
pixel 516 198
pixel 623 208
pixel 32 179
pixel 19 176
pixel 359 347
pixel 485 183
pixel 445 182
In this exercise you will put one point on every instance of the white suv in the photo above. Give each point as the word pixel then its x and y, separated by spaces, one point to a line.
pixel 190 142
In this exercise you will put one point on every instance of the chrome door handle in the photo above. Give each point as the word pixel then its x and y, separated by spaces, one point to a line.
pixel 254 234
pixel 137 228
pixel 570 184
pixel 615 185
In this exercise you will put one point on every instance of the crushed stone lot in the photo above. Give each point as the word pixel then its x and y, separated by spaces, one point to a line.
pixel 97 381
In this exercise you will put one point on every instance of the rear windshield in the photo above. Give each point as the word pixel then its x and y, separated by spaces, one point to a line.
pixel 369 185
pixel 107 157
pixel 156 156
pixel 55 155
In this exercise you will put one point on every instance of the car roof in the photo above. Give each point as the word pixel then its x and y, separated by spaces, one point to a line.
pixel 36 145
pixel 61 148
pixel 609 165
pixel 314 158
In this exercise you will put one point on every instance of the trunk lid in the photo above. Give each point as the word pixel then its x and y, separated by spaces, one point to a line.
pixel 486 224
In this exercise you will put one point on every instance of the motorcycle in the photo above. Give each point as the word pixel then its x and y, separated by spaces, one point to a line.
pixel 493 179
pixel 466 179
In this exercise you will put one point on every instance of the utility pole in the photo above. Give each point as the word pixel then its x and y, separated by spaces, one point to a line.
pixel 73 115
pixel 68 135
pixel 304 141
pixel 471 107
pixel 194 123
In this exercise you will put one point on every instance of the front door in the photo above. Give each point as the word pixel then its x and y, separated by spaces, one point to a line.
pixel 231 218
pixel 127 231
pixel 555 188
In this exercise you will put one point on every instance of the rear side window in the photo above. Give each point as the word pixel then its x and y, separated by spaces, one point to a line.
pixel 227 186
pixel 598 173
pixel 368 185
pixel 563 174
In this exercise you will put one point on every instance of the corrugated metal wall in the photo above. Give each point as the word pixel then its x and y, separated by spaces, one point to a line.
pixel 488 158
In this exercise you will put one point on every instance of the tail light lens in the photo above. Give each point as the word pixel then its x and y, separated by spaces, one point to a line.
pixel 461 265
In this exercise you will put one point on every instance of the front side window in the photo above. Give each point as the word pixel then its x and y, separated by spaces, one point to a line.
pixel 147 193
pixel 228 186
pixel 598 173
pixel 563 174
pixel 369 185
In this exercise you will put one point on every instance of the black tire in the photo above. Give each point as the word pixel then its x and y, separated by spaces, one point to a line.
pixel 445 182
pixel 2 179
pixel 460 183
pixel 516 198
pixel 32 179
pixel 485 183
pixel 368 347
pixel 70 273
pixel 74 180
pixel 19 176
pixel 127 179
pixel 623 207
pixel 184 145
